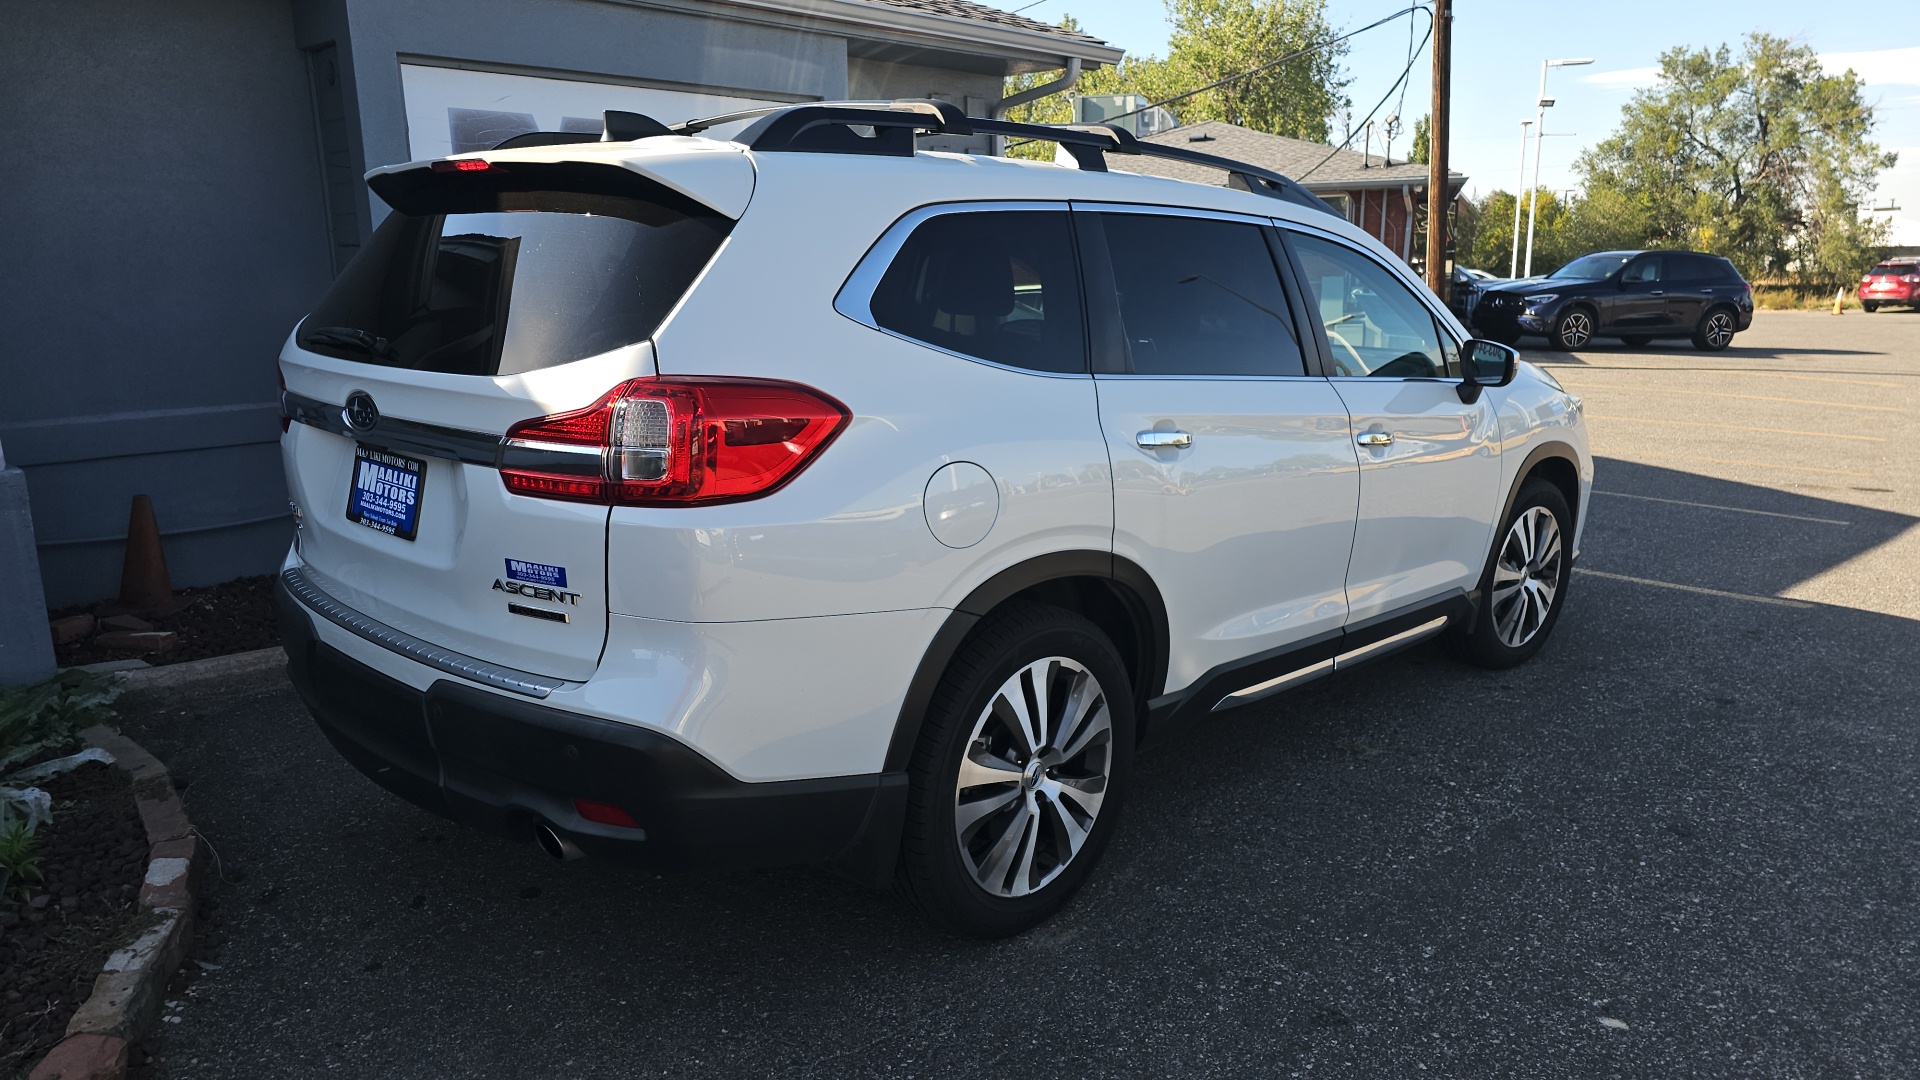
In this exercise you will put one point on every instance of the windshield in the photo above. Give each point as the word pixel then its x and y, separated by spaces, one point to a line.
pixel 1592 267
pixel 501 282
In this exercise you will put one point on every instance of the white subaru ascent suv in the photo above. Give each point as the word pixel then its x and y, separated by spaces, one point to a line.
pixel 801 496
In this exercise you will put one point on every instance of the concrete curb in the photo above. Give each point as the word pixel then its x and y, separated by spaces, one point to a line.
pixel 127 994
pixel 174 676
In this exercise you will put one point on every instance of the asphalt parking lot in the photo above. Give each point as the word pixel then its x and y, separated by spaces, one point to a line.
pixel 1685 840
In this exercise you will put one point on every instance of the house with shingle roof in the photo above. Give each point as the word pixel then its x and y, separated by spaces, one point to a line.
pixel 1377 194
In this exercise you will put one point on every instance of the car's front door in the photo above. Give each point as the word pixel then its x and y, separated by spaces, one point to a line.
pixel 1641 303
pixel 1235 480
pixel 1429 463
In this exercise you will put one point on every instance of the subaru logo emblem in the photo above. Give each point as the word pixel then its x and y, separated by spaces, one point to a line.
pixel 360 413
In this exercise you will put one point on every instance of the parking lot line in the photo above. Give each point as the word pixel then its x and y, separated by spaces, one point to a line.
pixel 1717 506
pixel 1736 427
pixel 1724 594
pixel 1742 372
pixel 1741 461
pixel 1636 389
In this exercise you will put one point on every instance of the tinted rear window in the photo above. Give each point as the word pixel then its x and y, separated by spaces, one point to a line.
pixel 477 275
pixel 1894 269
pixel 1001 286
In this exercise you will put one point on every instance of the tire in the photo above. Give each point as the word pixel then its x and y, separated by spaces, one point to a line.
pixel 1000 871
pixel 1522 572
pixel 1869 306
pixel 1573 329
pixel 1715 331
pixel 1505 336
pixel 1638 341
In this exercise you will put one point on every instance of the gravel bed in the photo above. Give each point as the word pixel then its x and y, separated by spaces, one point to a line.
pixel 232 617
pixel 94 855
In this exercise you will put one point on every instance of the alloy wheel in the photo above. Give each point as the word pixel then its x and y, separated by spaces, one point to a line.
pixel 1034 776
pixel 1575 329
pixel 1526 578
pixel 1719 329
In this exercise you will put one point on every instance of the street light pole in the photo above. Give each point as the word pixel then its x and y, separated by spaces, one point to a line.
pixel 1539 136
pixel 1519 196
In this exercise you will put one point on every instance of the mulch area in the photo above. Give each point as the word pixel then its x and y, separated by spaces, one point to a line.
pixel 237 616
pixel 94 856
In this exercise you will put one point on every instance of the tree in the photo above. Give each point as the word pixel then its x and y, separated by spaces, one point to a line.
pixel 1761 157
pixel 1422 141
pixel 1211 41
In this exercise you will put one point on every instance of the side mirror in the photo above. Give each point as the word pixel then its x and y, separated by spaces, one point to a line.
pixel 1484 364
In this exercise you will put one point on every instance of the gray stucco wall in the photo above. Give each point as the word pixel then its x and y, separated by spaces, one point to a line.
pixel 177 223
pixel 166 232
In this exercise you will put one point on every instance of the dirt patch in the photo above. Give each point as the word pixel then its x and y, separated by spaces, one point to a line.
pixel 93 855
pixel 233 617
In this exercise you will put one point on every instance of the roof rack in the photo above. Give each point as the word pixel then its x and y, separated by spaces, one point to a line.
pixel 842 127
pixel 833 128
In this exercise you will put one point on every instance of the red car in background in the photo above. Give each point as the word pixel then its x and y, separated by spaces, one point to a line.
pixel 1896 281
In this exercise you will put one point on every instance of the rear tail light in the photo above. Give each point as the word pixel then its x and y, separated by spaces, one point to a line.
pixel 673 441
pixel 465 165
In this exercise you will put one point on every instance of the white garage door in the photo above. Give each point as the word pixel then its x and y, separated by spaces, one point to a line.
pixel 456 111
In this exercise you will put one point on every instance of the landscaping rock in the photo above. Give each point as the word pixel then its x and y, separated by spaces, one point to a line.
pixel 71 629
pixel 131 623
pixel 136 641
pixel 84 1057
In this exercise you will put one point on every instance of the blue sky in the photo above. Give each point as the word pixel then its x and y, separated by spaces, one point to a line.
pixel 1498 46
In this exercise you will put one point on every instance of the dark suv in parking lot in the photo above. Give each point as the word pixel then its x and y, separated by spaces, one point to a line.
pixel 1635 296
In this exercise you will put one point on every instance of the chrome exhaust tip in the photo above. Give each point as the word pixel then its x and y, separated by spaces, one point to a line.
pixel 551 842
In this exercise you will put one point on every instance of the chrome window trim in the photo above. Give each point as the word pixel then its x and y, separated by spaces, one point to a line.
pixel 1134 375
pixel 466 667
pixel 1084 206
pixel 855 298
pixel 394 435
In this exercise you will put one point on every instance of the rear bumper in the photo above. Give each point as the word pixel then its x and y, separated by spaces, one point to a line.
pixel 505 764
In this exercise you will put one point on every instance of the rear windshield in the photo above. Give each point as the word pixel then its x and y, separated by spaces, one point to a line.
pixel 492 275
pixel 1893 269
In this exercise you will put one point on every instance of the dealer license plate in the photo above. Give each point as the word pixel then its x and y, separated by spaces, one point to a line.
pixel 385 495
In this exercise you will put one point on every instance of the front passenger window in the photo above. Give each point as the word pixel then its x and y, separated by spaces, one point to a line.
pixel 1642 271
pixel 1375 325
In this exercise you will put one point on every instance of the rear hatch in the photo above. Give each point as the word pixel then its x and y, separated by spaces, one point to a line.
pixel 494 293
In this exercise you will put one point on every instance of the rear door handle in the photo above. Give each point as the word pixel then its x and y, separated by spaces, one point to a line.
pixel 1155 440
pixel 1658 292
pixel 1374 438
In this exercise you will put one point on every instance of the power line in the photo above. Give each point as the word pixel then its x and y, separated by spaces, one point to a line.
pixel 1397 84
pixel 1295 55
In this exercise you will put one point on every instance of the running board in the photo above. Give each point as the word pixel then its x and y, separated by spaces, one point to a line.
pixel 1351 658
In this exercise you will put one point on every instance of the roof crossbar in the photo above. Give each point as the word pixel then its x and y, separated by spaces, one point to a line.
pixel 840 128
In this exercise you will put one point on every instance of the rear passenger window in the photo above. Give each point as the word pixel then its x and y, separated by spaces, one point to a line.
pixel 1198 297
pixel 1001 286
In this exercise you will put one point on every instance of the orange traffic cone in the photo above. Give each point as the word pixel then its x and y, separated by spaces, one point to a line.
pixel 1839 298
pixel 144 584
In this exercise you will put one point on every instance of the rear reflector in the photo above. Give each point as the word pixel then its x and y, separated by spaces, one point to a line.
pixel 673 441
pixel 604 813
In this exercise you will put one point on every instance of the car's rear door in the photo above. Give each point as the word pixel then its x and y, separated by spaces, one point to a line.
pixel 1234 478
pixel 481 302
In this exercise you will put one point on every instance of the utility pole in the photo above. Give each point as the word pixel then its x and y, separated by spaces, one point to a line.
pixel 1439 274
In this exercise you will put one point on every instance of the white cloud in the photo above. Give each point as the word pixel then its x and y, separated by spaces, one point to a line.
pixel 1900 67
pixel 1625 79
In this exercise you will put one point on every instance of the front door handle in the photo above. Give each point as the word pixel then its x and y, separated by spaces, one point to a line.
pixel 1658 292
pixel 1374 438
pixel 1155 440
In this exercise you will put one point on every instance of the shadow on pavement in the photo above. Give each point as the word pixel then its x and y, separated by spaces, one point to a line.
pixel 1689 814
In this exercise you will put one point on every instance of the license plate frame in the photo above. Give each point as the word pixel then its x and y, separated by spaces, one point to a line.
pixel 385 490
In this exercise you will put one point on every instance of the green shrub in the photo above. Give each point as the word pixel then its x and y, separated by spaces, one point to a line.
pixel 46 715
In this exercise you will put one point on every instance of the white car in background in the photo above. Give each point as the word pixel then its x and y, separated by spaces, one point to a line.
pixel 803 497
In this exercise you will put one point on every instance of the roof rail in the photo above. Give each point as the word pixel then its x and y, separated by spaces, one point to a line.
pixel 834 128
